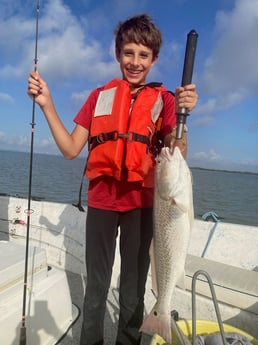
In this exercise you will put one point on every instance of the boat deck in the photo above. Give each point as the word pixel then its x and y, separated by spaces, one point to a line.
pixel 60 230
pixel 77 283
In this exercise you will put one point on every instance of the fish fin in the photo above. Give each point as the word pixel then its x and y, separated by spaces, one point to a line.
pixel 181 281
pixel 181 204
pixel 181 200
pixel 157 323
pixel 153 269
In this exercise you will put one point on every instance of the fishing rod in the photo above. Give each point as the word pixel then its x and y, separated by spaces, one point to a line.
pixel 23 335
pixel 186 78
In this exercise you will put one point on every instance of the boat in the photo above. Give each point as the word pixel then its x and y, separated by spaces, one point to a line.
pixel 56 275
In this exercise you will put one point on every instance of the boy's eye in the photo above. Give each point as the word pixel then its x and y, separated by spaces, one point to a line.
pixel 127 53
pixel 142 55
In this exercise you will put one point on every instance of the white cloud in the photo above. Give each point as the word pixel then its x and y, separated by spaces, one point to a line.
pixel 211 155
pixel 23 143
pixel 232 67
pixel 231 71
pixel 78 98
pixel 20 142
pixel 202 114
pixel 65 50
pixel 47 145
pixel 2 136
pixel 5 97
pixel 211 159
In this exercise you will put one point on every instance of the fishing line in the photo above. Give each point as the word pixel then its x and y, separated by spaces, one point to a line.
pixel 23 336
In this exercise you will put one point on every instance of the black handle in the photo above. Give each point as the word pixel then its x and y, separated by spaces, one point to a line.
pixel 187 77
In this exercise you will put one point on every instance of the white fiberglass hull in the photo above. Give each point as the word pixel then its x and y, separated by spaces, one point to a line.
pixel 59 229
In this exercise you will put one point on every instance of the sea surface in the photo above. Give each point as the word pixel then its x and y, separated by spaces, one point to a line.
pixel 233 196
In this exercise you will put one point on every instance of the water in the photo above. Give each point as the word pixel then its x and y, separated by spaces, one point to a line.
pixel 233 196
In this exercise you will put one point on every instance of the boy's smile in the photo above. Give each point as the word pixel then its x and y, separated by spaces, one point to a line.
pixel 135 61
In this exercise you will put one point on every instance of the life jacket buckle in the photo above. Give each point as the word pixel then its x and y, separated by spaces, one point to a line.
pixel 130 136
pixel 115 135
pixel 123 135
pixel 100 138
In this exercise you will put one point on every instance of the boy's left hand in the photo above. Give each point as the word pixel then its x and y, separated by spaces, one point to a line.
pixel 186 97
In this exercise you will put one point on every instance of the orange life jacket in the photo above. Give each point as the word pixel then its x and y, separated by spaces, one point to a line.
pixel 121 132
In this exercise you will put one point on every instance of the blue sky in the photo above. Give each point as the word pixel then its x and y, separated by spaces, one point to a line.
pixel 76 54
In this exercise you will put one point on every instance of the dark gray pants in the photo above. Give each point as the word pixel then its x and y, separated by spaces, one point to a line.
pixel 135 235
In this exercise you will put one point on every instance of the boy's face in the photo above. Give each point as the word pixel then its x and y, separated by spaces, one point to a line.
pixel 135 61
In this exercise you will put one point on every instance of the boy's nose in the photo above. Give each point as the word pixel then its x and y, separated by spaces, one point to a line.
pixel 135 60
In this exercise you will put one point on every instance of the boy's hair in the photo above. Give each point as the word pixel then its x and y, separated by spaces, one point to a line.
pixel 138 29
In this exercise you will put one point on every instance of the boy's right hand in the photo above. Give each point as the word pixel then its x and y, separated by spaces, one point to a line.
pixel 38 89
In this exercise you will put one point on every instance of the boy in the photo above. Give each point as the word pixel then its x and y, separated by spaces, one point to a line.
pixel 119 121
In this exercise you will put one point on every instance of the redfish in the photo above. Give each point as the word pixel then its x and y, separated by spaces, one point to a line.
pixel 173 219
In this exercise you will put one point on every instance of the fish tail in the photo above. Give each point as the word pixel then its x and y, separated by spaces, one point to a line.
pixel 157 323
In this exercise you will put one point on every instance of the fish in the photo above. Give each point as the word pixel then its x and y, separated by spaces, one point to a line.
pixel 173 215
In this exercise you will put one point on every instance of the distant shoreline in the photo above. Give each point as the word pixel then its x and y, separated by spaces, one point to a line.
pixel 225 170
pixel 191 167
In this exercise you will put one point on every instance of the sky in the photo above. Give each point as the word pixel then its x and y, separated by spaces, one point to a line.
pixel 76 54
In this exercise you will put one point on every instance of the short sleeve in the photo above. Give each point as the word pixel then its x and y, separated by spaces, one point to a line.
pixel 168 113
pixel 84 116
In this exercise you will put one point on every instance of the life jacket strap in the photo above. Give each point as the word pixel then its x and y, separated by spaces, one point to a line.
pixel 115 135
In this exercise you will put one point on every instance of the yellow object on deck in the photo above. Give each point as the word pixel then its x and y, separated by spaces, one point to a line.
pixel 203 327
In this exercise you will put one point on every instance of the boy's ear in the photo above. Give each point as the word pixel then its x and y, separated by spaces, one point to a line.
pixel 117 55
